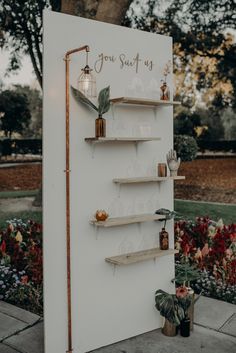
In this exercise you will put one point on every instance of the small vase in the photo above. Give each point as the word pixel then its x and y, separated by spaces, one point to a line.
pixel 185 327
pixel 100 127
pixel 164 239
pixel 169 329
pixel 162 169
pixel 164 92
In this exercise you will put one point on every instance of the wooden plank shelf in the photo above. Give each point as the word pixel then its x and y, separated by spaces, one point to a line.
pixel 120 139
pixel 139 256
pixel 146 179
pixel 143 101
pixel 119 221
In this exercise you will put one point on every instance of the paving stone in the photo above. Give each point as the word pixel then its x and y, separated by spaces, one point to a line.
pixel 7 349
pixel 230 326
pixel 28 341
pixel 9 325
pixel 202 340
pixel 212 313
pixel 18 313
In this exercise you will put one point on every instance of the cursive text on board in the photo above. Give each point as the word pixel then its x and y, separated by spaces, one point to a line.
pixel 123 62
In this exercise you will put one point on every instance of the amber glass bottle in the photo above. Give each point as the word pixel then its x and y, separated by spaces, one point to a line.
pixel 164 239
pixel 100 127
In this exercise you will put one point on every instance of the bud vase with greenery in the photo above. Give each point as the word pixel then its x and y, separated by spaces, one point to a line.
pixel 102 108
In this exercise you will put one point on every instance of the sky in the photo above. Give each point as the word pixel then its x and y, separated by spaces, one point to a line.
pixel 25 76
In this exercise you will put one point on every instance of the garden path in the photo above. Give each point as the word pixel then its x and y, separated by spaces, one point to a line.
pixel 214 332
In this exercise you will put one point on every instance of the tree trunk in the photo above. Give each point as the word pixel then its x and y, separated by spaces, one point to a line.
pixel 111 11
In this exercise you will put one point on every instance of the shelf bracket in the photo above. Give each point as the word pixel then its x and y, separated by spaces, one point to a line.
pixel 96 232
pixel 119 190
pixel 114 269
pixel 155 113
pixel 139 227
pixel 136 148
pixel 93 150
pixel 113 111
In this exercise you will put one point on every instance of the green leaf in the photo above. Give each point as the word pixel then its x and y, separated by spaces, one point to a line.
pixel 104 100
pixel 81 98
pixel 167 304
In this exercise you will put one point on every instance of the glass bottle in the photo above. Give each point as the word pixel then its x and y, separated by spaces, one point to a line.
pixel 164 92
pixel 100 127
pixel 164 239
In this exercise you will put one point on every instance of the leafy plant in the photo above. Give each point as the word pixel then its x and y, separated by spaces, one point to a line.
pixel 186 147
pixel 186 273
pixel 169 307
pixel 167 213
pixel 103 100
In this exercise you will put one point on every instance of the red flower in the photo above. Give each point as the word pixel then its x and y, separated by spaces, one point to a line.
pixel 3 247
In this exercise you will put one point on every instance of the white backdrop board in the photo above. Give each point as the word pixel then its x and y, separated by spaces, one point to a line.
pixel 108 304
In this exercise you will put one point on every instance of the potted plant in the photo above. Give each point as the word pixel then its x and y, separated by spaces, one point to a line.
pixel 173 307
pixel 102 108
pixel 184 300
pixel 185 273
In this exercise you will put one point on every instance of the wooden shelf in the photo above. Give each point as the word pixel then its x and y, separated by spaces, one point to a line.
pixel 120 139
pixel 119 221
pixel 143 101
pixel 146 179
pixel 139 256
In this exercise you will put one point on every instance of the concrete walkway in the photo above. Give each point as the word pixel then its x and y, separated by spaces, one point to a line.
pixel 18 204
pixel 214 332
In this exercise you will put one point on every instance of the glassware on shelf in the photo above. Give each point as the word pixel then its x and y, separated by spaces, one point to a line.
pixel 100 127
pixel 164 239
pixel 164 92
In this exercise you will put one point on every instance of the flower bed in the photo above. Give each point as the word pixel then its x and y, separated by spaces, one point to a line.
pixel 211 247
pixel 21 265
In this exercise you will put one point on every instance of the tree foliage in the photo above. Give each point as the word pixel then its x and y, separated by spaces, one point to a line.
pixel 21 32
pixel 34 97
pixel 21 24
pixel 204 53
pixel 198 30
pixel 14 111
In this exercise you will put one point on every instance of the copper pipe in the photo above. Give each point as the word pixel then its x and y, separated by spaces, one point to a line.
pixel 67 171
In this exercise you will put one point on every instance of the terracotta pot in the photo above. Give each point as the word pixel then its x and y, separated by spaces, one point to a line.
pixel 169 329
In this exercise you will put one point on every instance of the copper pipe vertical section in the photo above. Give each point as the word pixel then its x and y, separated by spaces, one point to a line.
pixel 67 171
pixel 69 328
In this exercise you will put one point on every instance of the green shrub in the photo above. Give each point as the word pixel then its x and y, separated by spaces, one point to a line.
pixel 186 147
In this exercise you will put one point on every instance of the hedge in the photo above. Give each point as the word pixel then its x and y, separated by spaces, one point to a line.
pixel 14 146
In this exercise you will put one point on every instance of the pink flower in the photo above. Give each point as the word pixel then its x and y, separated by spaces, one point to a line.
pixel 181 292
pixel 228 253
pixel 205 250
pixel 233 237
pixel 24 279
pixel 198 255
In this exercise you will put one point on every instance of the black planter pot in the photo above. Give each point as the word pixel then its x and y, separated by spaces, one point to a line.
pixel 185 328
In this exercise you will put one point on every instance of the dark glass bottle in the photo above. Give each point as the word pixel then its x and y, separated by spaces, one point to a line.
pixel 100 127
pixel 185 327
pixel 164 239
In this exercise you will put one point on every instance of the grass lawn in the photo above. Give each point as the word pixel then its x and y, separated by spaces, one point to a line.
pixel 20 193
pixel 25 216
pixel 186 209
pixel 190 210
